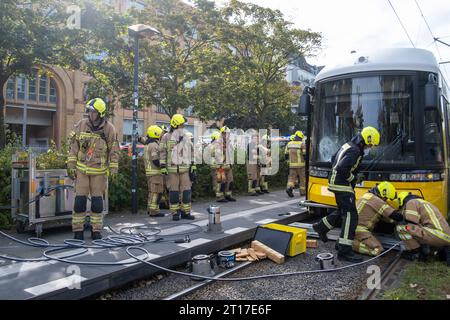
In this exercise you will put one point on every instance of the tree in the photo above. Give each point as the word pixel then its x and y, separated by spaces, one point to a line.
pixel 34 33
pixel 249 88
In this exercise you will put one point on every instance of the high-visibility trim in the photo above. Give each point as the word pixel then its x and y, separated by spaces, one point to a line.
pixel 382 209
pixel 412 212
pixel 335 187
pixel 345 147
pixel 347 226
pixel 113 165
pixel 362 229
pixel 439 233
pixel 89 170
pixel 152 172
pixel 361 205
pixel 71 159
pixel 345 241
pixel 326 223
pixel 432 216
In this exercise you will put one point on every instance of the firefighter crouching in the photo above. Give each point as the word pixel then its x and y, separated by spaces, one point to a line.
pixel 93 155
pixel 177 162
pixel 424 227
pixel 342 181
pixel 295 152
pixel 373 207
pixel 153 171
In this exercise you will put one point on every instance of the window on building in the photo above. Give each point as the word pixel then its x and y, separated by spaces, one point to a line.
pixel 10 89
pixel 160 109
pixel 189 111
pixel 21 87
pixel 52 95
pixel 32 89
pixel 43 89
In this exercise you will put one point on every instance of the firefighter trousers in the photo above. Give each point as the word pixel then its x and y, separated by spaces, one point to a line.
pixel 155 191
pixel 297 176
pixel 414 236
pixel 366 243
pixel 222 181
pixel 85 185
pixel 179 185
pixel 346 211
pixel 253 176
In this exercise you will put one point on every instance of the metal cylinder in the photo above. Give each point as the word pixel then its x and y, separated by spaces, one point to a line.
pixel 202 265
pixel 326 261
pixel 214 214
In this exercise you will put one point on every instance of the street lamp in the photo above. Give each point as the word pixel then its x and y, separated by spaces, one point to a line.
pixel 136 31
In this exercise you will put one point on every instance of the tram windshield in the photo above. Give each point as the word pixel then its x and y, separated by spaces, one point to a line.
pixel 386 102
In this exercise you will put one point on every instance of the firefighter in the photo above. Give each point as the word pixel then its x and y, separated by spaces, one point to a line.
pixel 253 173
pixel 424 227
pixel 264 163
pixel 295 155
pixel 177 162
pixel 153 170
pixel 164 199
pixel 93 155
pixel 373 207
pixel 344 176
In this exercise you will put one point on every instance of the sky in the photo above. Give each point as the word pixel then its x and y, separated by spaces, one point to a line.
pixel 360 25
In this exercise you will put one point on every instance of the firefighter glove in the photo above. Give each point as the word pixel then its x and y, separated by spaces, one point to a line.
pixel 72 173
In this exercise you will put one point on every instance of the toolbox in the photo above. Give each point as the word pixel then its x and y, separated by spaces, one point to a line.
pixel 297 244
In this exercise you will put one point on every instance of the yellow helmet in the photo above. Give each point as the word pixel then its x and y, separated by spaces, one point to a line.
pixel 224 129
pixel 292 137
pixel 177 120
pixel 98 105
pixel 154 132
pixel 371 136
pixel 299 134
pixel 401 198
pixel 215 135
pixel 387 190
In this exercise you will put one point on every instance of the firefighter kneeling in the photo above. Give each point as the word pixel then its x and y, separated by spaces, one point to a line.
pixel 373 207
pixel 424 227
pixel 93 155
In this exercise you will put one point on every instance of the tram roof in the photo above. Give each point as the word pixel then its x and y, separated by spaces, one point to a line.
pixel 384 59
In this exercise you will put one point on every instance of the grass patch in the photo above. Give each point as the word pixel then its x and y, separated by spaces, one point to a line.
pixel 423 281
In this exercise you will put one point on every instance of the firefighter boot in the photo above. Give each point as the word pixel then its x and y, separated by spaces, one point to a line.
pixel 290 192
pixel 410 255
pixel 424 253
pixel 78 235
pixel 96 235
pixel 230 198
pixel 346 253
pixel 187 216
pixel 321 231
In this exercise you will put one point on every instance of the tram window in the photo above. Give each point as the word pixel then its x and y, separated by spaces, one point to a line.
pixel 432 137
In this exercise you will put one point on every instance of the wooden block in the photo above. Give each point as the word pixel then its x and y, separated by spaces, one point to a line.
pixel 311 243
pixel 237 250
pixel 241 259
pixel 261 255
pixel 252 253
pixel 271 254
pixel 250 258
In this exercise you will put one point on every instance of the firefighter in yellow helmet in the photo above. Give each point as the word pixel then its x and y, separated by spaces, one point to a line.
pixel 294 153
pixel 373 207
pixel 153 170
pixel 424 226
pixel 264 163
pixel 177 162
pixel 342 181
pixel 94 153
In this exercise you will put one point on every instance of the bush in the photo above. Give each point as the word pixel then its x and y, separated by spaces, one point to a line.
pixel 5 182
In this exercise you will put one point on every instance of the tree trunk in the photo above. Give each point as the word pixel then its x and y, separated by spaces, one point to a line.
pixel 2 117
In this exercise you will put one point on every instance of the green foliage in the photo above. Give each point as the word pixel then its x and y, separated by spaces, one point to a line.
pixel 422 281
pixel 54 158
pixel 5 181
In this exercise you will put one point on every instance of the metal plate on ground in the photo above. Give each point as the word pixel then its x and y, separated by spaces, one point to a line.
pixel 275 239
